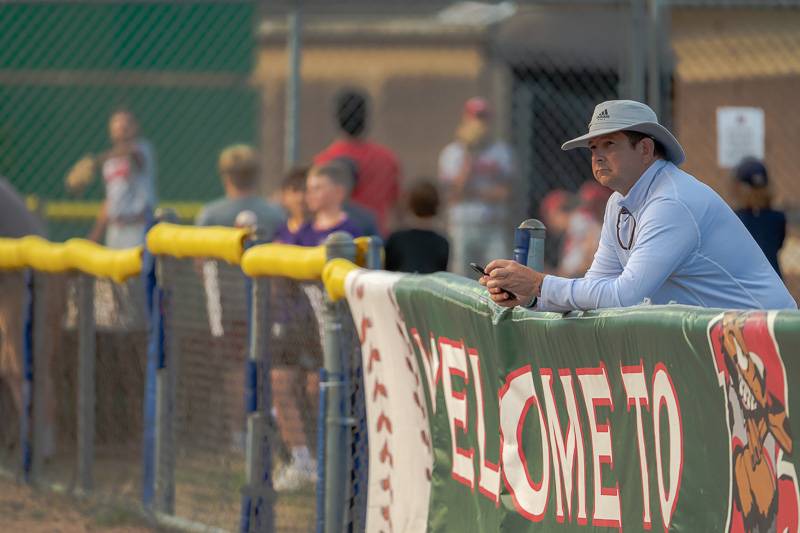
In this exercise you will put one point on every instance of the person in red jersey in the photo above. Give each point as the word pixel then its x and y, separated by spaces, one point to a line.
pixel 378 172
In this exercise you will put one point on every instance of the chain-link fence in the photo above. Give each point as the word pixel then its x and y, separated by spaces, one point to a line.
pixel 206 342
pixel 294 327
pixel 182 68
pixel 76 367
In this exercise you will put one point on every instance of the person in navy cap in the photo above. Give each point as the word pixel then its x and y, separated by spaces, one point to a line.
pixel 754 198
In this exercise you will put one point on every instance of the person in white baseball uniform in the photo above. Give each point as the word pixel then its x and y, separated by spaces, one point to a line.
pixel 666 236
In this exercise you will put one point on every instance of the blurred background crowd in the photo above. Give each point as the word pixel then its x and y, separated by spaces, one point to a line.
pixel 435 125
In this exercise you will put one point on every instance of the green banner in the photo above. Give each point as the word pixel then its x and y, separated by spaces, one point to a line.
pixel 648 418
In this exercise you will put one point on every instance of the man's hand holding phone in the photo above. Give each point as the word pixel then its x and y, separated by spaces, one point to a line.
pixel 510 283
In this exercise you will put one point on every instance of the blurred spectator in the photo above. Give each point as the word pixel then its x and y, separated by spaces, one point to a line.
pixel 378 171
pixel 419 248
pixel 129 174
pixel 15 222
pixel 477 172
pixel 239 170
pixel 555 211
pixel 362 216
pixel 593 199
pixel 754 199
pixel 582 234
pixel 293 201
pixel 327 188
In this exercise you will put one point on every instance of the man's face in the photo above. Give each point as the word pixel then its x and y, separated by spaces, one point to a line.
pixel 615 163
pixel 122 127
pixel 322 193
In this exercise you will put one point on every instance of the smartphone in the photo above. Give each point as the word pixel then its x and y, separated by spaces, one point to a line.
pixel 479 269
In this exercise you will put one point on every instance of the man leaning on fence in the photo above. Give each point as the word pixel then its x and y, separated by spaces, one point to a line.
pixel 666 236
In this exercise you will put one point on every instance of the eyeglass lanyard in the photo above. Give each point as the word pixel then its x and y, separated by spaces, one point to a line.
pixel 624 211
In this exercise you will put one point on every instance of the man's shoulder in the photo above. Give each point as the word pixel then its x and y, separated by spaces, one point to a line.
pixel 211 211
pixel 217 204
pixel 377 150
pixel 265 205
pixel 680 186
pixel 354 149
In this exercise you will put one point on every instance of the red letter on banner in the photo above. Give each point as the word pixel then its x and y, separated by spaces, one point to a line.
pixel 596 393
pixel 489 480
pixel 636 391
pixel 454 361
pixel 664 396
pixel 516 398
pixel 564 454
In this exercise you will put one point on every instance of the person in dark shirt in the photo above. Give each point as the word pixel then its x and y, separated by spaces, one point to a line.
pixel 766 225
pixel 419 248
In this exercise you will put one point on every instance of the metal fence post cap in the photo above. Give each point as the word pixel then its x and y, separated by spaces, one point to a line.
pixel 258 235
pixel 534 227
pixel 340 244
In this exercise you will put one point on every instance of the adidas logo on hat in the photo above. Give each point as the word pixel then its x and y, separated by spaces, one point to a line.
pixel 602 115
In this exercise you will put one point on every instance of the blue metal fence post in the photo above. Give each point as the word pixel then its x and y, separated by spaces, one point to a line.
pixel 337 416
pixel 26 417
pixel 155 349
pixel 258 498
pixel 155 361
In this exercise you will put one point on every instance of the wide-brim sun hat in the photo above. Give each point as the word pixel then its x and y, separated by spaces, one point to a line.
pixel 628 115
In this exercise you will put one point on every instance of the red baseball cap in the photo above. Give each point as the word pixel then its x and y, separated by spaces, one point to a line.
pixel 477 107
pixel 592 192
pixel 556 199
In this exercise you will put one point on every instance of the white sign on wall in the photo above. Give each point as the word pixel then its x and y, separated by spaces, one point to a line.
pixel 740 133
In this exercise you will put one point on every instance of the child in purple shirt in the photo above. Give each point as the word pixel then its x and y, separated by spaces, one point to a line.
pixel 293 201
pixel 327 188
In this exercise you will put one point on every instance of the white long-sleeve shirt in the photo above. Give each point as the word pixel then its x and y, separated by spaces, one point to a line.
pixel 687 247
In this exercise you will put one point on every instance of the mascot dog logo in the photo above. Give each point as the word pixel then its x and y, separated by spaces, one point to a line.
pixel 764 490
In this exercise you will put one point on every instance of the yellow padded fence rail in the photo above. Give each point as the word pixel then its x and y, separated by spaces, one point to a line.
pixel 334 275
pixel 188 241
pixel 300 263
pixel 76 254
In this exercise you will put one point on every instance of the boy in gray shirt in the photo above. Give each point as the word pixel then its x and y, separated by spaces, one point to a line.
pixel 238 168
